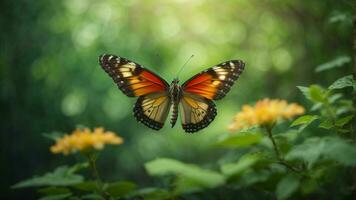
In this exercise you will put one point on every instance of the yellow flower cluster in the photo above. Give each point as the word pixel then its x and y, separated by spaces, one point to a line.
pixel 266 112
pixel 84 139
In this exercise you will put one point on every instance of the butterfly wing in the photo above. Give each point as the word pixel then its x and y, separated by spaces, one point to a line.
pixel 131 78
pixel 153 104
pixel 196 105
pixel 197 112
pixel 152 109
pixel 216 81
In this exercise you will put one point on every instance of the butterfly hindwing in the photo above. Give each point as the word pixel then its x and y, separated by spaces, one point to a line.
pixel 196 112
pixel 152 109
pixel 131 78
pixel 214 83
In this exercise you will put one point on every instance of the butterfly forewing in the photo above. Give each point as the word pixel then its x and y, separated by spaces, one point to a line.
pixel 131 78
pixel 214 83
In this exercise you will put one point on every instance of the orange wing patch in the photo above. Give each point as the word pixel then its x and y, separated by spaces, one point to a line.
pixel 215 82
pixel 131 78
pixel 202 85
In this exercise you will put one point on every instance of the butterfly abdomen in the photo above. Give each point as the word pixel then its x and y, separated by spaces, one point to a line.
pixel 174 114
pixel 176 94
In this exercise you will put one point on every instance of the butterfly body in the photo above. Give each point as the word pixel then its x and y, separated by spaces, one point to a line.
pixel 193 99
pixel 175 92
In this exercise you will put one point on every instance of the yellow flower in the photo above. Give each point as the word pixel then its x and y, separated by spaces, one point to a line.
pixel 265 112
pixel 84 139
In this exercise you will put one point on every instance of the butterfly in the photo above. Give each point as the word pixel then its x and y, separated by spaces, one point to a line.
pixel 193 99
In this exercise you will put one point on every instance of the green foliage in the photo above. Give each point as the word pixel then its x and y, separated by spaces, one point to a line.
pixel 344 120
pixel 244 164
pixel 61 176
pixel 243 139
pixel 304 120
pixel 53 135
pixel 337 62
pixel 314 93
pixel 56 197
pixel 189 177
pixel 152 193
pixel 317 149
pixel 346 81
pixel 86 186
pixel 287 186
pixel 120 189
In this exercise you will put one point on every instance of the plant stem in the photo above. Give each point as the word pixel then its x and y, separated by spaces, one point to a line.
pixel 99 184
pixel 278 154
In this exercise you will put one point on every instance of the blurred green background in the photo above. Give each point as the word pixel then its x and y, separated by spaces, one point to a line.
pixel 51 80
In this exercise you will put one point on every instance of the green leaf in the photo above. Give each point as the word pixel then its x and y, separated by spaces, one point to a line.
pixel 304 120
pixel 333 98
pixel 240 140
pixel 120 189
pixel 327 124
pixel 55 135
pixel 342 121
pixel 339 150
pixel 317 149
pixel 308 186
pixel 340 17
pixel 186 185
pixel 305 91
pixel 151 193
pixel 77 167
pixel 56 197
pixel 346 81
pixel 92 197
pixel 317 94
pixel 316 106
pixel 202 177
pixel 309 151
pixel 61 176
pixel 314 93
pixel 243 164
pixel 345 107
pixel 86 186
pixel 252 177
pixel 54 190
pixel 287 186
pixel 337 62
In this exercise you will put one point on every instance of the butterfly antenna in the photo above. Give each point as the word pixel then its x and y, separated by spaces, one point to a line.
pixel 181 69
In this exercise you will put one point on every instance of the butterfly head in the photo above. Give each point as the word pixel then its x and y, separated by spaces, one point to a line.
pixel 175 81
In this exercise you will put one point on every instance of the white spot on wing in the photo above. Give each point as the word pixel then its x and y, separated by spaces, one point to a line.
pixel 232 65
pixel 216 83
pixel 101 58
pixel 126 74
pixel 222 77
